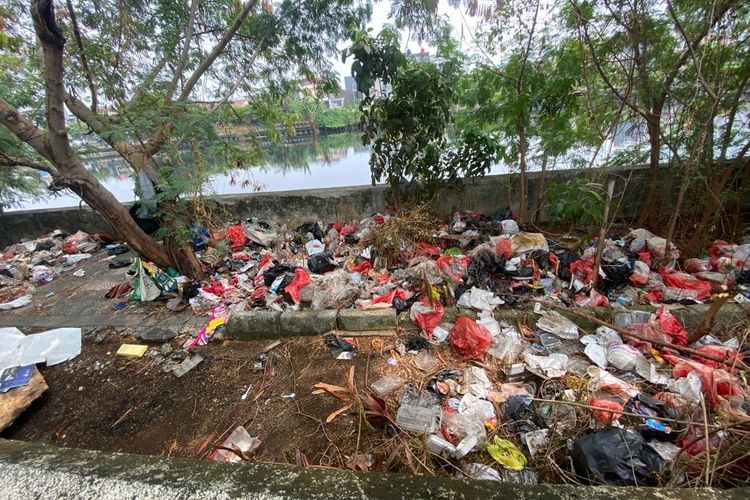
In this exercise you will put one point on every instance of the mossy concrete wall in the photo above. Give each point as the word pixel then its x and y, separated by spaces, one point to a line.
pixel 486 195
pixel 31 470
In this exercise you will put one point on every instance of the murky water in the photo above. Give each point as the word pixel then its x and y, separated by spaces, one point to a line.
pixel 332 161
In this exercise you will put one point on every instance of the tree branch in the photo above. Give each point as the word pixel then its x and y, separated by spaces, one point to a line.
pixel 53 43
pixel 692 45
pixel 22 128
pixel 185 48
pixel 82 55
pixel 16 161
pixel 217 50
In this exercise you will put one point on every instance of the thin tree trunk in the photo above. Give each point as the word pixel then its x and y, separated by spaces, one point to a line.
pixel 652 203
pixel 602 234
pixel 542 186
pixel 522 167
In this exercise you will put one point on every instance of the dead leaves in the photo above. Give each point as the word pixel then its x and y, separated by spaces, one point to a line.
pixel 347 395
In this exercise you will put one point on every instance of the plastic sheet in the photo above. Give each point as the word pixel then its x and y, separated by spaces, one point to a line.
pixel 53 347
pixel 505 453
pixel 479 299
pixel 554 322
pixel 527 242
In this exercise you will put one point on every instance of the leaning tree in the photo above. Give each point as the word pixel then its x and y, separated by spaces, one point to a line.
pixel 132 72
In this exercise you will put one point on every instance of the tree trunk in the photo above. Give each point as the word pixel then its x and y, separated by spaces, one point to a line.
pixel 55 145
pixel 542 186
pixel 111 210
pixel 712 201
pixel 522 168
pixel 651 206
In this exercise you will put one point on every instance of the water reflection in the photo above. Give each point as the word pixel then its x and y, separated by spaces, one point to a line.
pixel 330 161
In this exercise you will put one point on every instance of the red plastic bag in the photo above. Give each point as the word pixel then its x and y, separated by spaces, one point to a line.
pixel 715 383
pixel 594 299
pixel 670 325
pixel 645 257
pixel 453 267
pixel 348 229
pixel 379 219
pixel 608 411
pixel 655 295
pixel 70 247
pixel 427 316
pixel 641 273
pixel 424 249
pixel 695 265
pixel 361 268
pixel 388 297
pixel 583 270
pixel 215 288
pixel 718 351
pixel 686 281
pixel 504 248
pixel 469 339
pixel 236 234
pixel 648 332
pixel 301 280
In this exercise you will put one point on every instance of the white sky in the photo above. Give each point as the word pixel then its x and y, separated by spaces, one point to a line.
pixel 380 10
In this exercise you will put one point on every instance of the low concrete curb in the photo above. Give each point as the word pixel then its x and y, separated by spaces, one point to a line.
pixel 32 470
pixel 253 325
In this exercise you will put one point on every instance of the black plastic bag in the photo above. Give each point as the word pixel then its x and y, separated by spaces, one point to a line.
pixel 618 275
pixel 564 259
pixel 616 457
pixel 486 267
pixel 337 345
pixel 271 274
pixel 503 214
pixel 416 343
pixel 649 427
pixel 313 228
pixel 321 263
pixel 520 415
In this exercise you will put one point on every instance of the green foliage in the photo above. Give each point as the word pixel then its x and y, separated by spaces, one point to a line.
pixel 576 202
pixel 407 124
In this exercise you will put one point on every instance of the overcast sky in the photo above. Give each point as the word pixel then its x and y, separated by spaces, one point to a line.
pixel 461 26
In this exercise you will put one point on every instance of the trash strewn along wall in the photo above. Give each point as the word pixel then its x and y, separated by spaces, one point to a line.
pixel 484 195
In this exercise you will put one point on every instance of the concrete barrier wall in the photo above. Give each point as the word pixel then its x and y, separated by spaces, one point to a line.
pixel 485 195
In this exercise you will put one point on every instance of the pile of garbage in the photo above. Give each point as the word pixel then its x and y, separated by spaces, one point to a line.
pixel 544 398
pixel 265 265
pixel 25 265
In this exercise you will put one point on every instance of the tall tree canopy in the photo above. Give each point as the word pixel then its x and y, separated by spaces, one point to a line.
pixel 132 72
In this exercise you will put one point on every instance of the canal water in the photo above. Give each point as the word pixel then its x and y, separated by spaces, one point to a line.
pixel 334 160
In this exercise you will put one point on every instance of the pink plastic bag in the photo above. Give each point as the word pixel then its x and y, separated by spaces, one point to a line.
pixel 469 339
pixel 427 316
pixel 670 325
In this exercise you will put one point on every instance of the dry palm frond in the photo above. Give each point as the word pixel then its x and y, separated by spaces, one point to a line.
pixel 390 239
pixel 346 395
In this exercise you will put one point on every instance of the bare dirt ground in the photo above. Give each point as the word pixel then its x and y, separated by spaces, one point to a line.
pixel 106 402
